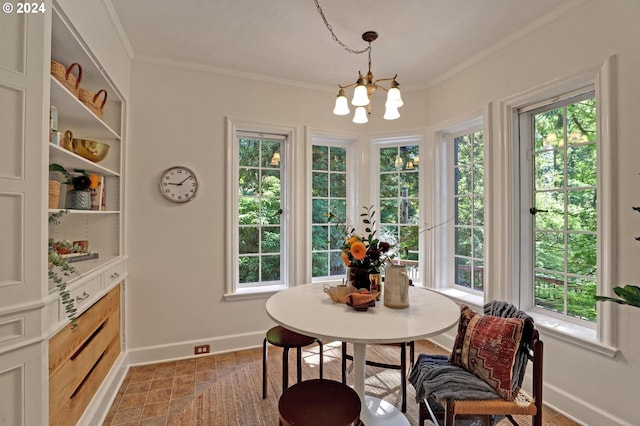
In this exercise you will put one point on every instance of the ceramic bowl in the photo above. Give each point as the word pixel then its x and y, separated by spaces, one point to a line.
pixel 91 150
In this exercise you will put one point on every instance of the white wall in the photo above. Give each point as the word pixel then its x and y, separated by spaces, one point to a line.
pixel 177 251
pixel 177 254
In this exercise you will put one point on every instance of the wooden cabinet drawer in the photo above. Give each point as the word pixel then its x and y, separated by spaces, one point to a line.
pixel 80 360
pixel 67 341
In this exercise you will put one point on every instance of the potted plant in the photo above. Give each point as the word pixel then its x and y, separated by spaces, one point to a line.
pixel 79 198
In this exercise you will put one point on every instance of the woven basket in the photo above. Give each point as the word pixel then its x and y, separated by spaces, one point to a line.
pixel 54 194
pixel 65 76
pixel 92 100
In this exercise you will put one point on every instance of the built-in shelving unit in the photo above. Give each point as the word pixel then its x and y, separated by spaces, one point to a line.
pixel 103 229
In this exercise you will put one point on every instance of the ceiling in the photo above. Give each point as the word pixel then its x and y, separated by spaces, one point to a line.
pixel 420 40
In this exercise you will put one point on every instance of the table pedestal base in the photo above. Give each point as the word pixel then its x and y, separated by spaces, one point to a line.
pixel 375 411
pixel 380 412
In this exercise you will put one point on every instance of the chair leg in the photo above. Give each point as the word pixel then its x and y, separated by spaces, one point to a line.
pixel 299 363
pixel 412 352
pixel 285 369
pixel 264 368
pixel 321 357
pixel 421 412
pixel 450 416
pixel 344 362
pixel 403 375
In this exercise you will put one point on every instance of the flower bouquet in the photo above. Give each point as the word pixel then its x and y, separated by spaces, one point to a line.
pixel 364 255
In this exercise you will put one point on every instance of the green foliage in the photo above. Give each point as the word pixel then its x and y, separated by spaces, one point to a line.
pixel 59 270
pixel 565 182
pixel 329 194
pixel 58 168
pixel 259 210
pixel 629 295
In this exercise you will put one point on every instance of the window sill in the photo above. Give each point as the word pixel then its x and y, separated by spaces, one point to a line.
pixel 574 334
pixel 459 296
pixel 565 331
pixel 254 292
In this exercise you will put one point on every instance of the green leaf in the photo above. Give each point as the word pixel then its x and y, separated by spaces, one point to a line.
pixel 630 293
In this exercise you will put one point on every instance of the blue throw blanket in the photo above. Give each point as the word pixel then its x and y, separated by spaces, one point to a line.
pixel 433 376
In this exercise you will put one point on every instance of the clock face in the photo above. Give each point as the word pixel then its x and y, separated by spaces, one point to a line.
pixel 178 184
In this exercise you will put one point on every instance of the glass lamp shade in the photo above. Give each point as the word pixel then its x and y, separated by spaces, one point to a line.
pixel 360 117
pixel 393 98
pixel 391 113
pixel 360 96
pixel 342 105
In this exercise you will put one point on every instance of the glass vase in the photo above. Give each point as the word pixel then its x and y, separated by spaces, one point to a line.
pixel 375 280
pixel 358 277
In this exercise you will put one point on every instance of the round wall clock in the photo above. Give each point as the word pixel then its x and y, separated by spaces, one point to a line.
pixel 178 184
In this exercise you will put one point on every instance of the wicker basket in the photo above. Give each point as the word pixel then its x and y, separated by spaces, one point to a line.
pixel 65 76
pixel 92 100
pixel 54 194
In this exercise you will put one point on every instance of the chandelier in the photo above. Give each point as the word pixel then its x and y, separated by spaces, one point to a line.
pixel 365 87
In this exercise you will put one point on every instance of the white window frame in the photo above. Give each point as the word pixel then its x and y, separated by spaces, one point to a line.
pixel 235 127
pixel 469 127
pixel 349 144
pixel 442 236
pixel 394 141
pixel 603 338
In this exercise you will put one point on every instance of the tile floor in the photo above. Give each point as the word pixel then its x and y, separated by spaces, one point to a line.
pixel 154 394
pixel 151 394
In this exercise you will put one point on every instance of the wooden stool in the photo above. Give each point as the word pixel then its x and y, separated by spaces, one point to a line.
pixel 319 402
pixel 286 339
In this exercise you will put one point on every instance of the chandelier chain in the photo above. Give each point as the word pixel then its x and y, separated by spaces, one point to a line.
pixel 335 37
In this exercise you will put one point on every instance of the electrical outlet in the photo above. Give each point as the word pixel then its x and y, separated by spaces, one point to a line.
pixel 201 349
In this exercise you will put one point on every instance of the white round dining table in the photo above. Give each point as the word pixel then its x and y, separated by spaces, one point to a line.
pixel 308 310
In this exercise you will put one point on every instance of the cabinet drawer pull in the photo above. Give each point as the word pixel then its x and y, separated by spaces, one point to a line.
pixel 82 297
pixel 115 275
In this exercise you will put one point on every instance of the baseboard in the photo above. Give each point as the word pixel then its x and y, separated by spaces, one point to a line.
pixel 579 410
pixel 181 350
pixel 98 408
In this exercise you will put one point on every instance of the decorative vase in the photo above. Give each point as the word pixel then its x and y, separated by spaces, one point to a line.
pixel 79 200
pixel 396 287
pixel 358 277
pixel 375 282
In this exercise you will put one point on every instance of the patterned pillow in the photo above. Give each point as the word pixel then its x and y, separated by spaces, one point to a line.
pixel 487 346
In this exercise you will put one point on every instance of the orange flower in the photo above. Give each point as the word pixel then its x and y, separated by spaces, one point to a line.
pixel 358 250
pixel 95 180
pixel 345 258
pixel 353 240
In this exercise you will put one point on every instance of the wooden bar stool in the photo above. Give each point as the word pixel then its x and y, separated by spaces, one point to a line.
pixel 319 402
pixel 286 339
